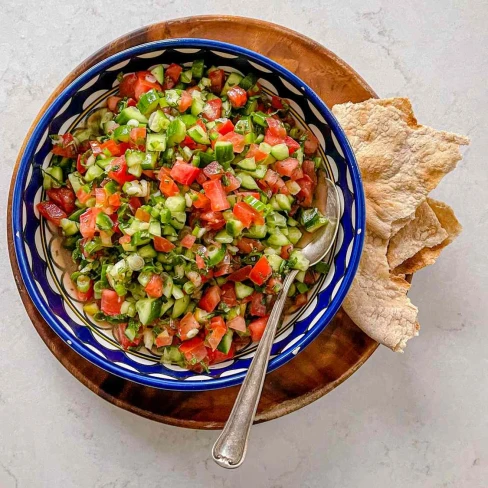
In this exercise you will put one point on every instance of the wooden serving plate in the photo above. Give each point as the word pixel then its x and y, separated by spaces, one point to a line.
pixel 336 353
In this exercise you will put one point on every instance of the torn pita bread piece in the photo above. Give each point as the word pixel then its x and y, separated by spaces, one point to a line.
pixel 424 230
pixel 429 254
pixel 400 162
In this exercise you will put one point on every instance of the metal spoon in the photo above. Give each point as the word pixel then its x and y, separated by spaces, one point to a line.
pixel 230 448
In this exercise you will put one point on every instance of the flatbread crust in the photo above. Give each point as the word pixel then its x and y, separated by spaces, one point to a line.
pixel 400 162
pixel 424 230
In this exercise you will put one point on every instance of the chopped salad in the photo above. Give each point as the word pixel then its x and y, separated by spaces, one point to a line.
pixel 182 202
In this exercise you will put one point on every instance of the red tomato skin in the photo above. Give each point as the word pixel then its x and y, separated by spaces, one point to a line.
pixel 154 288
pixel 229 294
pixel 276 128
pixel 111 302
pixel 187 323
pixel 237 96
pixel 118 171
pixel 161 244
pixel 63 197
pixel 241 274
pixel 184 173
pixel 188 241
pixel 200 200
pixel 50 211
pixel 173 71
pixel 185 101
pixel 215 337
pixel 257 328
pixel 261 271
pixel 247 245
pixel 287 167
pixel 127 85
pixel 215 192
pixel 237 323
pixel 210 299
pixel 292 144
pixel 167 186
pixel 225 127
pixel 213 109
pixel 217 78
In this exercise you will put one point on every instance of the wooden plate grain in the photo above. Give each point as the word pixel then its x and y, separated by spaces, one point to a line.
pixel 336 353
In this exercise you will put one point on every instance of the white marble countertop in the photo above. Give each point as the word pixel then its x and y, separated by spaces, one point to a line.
pixel 413 420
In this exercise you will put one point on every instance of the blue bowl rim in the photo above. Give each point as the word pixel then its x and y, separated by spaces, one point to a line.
pixel 43 124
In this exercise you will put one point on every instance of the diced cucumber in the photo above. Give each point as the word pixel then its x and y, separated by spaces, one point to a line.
pixel 280 152
pixel 248 81
pixel 180 306
pixel 257 231
pixel 134 157
pixel 172 97
pixel 197 106
pixel 186 76
pixel 199 135
pixel 166 306
pixel 122 133
pixel 298 260
pixel 172 355
pixel 224 152
pixel 242 290
pixel 147 252
pixel 283 202
pixel 259 118
pixel 294 235
pixel 233 80
pixel 75 181
pixel 158 73
pixel 69 227
pixel 226 342
pixel 247 181
pixel 216 253
pixel 260 172
pixel 244 126
pixel 158 121
pixel 167 285
pixel 275 262
pixel 175 203
pixel 104 222
pixel 177 292
pixel 176 132
pixel 275 219
pixel 150 160
pixel 234 227
pixel 189 120
pixel 197 68
pixel 251 106
pixel 149 309
pixel 94 171
pixel 75 216
pixel 248 164
pixel 278 239
pixel 312 219
pixel 148 103
pixel 130 113
pixel 156 142
pixel 52 177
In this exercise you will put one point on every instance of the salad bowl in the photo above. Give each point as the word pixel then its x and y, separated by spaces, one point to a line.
pixel 45 267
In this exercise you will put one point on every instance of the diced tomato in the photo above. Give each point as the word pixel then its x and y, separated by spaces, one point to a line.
pixel 213 171
pixel 271 139
pixel 185 101
pixel 297 175
pixel 118 171
pixel 151 174
pixel 223 269
pixel 258 307
pixel 138 136
pixel 243 194
pixel 127 85
pixel 188 142
pixel 237 140
pixel 79 166
pixel 237 323
pixel 241 274
pixel 84 296
pixel 167 186
pixel 63 197
pixel 83 196
pixel 124 239
pixel 212 109
pixel 225 126
pixel 309 170
pixel 292 144
pixel 311 145
pixel 214 220
pixel 217 321
pixel 188 241
pixel 161 244
pixel 187 323
pixel 298 302
pixel 230 182
pixel 199 200
pixel 101 197
pixel 305 194
pixel 173 71
pixel 256 153
pixel 257 327
pixel 65 146
pixel 112 147
pixel 134 204
pixel 287 166
pixel 88 222
pixel 217 356
pixel 184 173
pixel 200 261
pixel 155 286
pixel 276 102
pixel 237 96
pixel 95 147
pixel 210 299
pixel 229 294
pixel 247 245
pixel 274 181
pixel 112 103
pixel 215 336
pixel 125 342
pixel 111 302
pixel 261 271
pixel 286 251
pixel 217 77
pixel 143 215
pixel 145 82
pixel 244 213
pixel 194 349
pixel 215 192
pixel 163 339
pixel 275 127
pixel 131 102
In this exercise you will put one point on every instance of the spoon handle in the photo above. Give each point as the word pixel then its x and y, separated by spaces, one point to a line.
pixel 230 448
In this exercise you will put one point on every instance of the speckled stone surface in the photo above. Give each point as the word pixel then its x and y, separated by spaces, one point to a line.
pixel 403 421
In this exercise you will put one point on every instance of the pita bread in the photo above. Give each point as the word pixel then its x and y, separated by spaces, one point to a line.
pixel 428 255
pixel 424 230
pixel 400 162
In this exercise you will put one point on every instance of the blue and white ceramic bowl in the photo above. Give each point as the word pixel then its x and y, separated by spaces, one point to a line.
pixel 44 266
